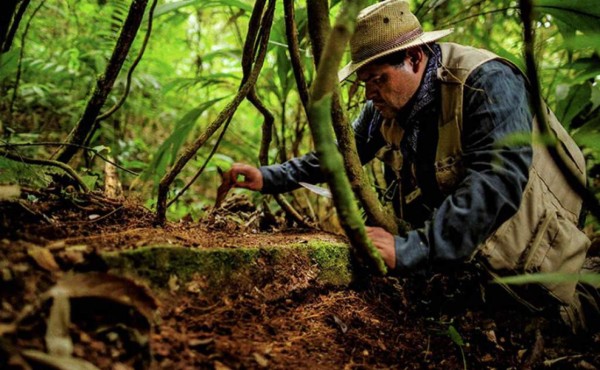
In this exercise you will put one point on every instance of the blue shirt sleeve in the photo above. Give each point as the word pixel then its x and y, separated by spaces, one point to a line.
pixel 496 115
pixel 284 177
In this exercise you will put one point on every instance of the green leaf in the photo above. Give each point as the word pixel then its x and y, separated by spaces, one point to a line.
pixel 455 336
pixel 583 15
pixel 571 103
pixel 8 63
pixel 167 152
pixel 90 181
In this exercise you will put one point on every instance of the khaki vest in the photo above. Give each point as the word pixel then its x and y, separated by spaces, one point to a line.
pixel 543 235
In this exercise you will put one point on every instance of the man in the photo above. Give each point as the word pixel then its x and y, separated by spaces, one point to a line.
pixel 445 118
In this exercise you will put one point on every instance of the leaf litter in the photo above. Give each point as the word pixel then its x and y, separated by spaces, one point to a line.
pixel 70 313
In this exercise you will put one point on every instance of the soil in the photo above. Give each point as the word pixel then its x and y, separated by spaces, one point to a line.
pixel 430 321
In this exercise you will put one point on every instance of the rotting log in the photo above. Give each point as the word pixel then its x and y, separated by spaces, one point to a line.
pixel 273 271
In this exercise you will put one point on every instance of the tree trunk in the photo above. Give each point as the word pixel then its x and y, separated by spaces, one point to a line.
pixel 105 82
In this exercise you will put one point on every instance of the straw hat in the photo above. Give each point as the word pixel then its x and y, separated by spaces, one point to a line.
pixel 383 29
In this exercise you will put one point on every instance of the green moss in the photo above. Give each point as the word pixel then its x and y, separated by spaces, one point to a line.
pixel 223 270
pixel 334 262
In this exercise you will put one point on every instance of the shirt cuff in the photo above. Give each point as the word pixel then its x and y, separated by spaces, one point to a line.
pixel 411 251
pixel 267 176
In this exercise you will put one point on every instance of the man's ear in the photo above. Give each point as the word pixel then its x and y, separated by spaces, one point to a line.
pixel 416 57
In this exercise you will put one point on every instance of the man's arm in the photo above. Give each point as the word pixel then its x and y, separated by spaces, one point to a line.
pixel 284 177
pixel 495 111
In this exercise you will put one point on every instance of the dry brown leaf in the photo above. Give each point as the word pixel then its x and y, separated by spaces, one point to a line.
pixel 43 258
pixel 221 366
pixel 115 288
pixel 10 192
pixel 58 340
pixel 57 362
pixel 260 359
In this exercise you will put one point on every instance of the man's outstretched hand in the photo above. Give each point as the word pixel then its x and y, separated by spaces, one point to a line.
pixel 253 179
pixel 385 243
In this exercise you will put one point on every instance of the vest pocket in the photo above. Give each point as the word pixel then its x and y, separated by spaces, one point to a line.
pixel 540 244
pixel 449 172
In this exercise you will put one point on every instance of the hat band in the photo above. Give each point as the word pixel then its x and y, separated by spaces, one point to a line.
pixel 370 51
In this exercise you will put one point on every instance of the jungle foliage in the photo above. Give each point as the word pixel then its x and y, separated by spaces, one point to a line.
pixel 175 83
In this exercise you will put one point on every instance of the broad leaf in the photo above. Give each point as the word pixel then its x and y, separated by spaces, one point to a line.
pixel 583 15
pixel 167 152
pixel 571 103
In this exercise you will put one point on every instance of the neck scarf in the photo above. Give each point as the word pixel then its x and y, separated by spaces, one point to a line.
pixel 421 108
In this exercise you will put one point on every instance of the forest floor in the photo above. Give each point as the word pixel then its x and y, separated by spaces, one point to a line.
pixel 436 321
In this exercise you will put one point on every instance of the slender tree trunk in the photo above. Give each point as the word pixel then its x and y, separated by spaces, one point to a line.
pixel 318 26
pixel 294 50
pixel 375 211
pixel 330 158
pixel 105 82
pixel 7 12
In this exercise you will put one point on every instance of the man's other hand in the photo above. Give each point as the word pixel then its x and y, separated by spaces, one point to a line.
pixel 253 179
pixel 385 243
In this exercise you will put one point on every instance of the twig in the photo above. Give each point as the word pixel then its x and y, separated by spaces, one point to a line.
pixel 210 155
pixel 550 363
pixel 287 207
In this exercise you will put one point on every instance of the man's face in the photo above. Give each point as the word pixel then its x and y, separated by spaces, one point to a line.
pixel 390 87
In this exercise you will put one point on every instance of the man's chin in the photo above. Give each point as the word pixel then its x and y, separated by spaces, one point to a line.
pixel 387 114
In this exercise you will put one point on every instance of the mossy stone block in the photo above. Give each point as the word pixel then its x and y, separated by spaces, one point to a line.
pixel 272 270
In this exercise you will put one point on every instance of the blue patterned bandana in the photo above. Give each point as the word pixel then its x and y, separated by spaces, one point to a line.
pixel 422 107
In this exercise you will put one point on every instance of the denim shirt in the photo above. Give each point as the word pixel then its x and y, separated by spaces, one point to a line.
pixel 495 113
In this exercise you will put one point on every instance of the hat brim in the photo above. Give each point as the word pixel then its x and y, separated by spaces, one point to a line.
pixel 425 38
